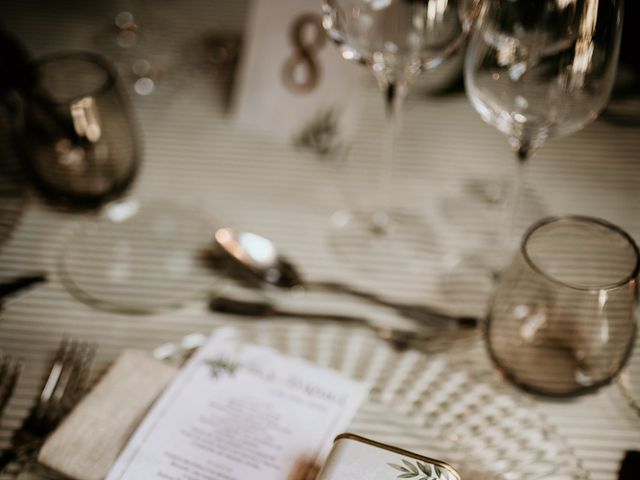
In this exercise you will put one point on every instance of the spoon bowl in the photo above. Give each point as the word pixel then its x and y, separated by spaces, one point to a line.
pixel 256 255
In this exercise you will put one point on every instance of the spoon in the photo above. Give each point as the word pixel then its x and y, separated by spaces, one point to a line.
pixel 255 259
pixel 399 338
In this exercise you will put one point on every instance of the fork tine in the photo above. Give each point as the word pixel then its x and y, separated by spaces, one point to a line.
pixel 4 366
pixel 84 367
pixel 66 370
pixel 10 370
pixel 9 367
pixel 74 376
pixel 64 386
pixel 54 374
pixel 77 377
pixel 4 384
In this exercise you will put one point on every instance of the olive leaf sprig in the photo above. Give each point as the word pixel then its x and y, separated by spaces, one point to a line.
pixel 219 366
pixel 419 471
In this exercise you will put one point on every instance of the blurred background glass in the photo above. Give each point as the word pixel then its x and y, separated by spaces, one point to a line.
pixel 79 138
pixel 80 145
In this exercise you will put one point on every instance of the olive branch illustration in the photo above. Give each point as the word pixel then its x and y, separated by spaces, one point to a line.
pixel 419 470
pixel 220 366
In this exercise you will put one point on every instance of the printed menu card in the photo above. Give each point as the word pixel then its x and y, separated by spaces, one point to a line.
pixel 238 412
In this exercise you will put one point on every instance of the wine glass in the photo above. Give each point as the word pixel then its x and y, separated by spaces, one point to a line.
pixel 536 70
pixel 396 40
pixel 563 320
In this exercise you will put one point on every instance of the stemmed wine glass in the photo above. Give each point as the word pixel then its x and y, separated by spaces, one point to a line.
pixel 396 40
pixel 536 70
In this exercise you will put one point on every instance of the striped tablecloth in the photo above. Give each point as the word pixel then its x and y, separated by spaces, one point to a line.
pixel 195 156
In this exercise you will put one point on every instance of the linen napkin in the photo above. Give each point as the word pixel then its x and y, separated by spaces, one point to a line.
pixel 87 443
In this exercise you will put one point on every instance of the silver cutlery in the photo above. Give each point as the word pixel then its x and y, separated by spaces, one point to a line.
pixel 254 259
pixel 9 372
pixel 11 287
pixel 398 338
pixel 65 385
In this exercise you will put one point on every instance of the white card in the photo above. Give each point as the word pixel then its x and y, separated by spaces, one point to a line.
pixel 291 75
pixel 240 412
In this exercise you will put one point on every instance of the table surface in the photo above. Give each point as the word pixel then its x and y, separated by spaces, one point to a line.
pixel 193 151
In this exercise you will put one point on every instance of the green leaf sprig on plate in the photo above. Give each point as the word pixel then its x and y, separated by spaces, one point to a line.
pixel 219 366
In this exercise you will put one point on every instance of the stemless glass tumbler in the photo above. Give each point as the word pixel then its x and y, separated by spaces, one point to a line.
pixel 80 140
pixel 563 317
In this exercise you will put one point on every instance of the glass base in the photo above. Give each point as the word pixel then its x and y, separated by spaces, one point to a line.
pixel 384 248
pixel 629 384
pixel 477 212
pixel 479 209
pixel 469 285
pixel 135 260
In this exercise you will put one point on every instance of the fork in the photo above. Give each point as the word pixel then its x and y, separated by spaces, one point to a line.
pixel 64 387
pixel 9 372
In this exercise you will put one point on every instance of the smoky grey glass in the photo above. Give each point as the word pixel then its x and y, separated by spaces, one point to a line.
pixel 563 319
pixel 79 138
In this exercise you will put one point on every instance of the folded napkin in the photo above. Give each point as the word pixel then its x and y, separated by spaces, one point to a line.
pixel 87 443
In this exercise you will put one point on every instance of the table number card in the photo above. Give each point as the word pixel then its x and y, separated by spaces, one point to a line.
pixel 240 412
pixel 292 78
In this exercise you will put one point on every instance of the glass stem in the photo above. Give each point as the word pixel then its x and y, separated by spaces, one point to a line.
pixel 394 95
pixel 523 151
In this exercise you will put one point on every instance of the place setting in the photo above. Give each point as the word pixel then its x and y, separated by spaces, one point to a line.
pixel 319 276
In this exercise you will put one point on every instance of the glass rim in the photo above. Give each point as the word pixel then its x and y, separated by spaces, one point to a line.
pixel 110 76
pixel 585 219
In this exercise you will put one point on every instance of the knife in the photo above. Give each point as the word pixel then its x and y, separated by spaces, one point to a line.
pixel 11 287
